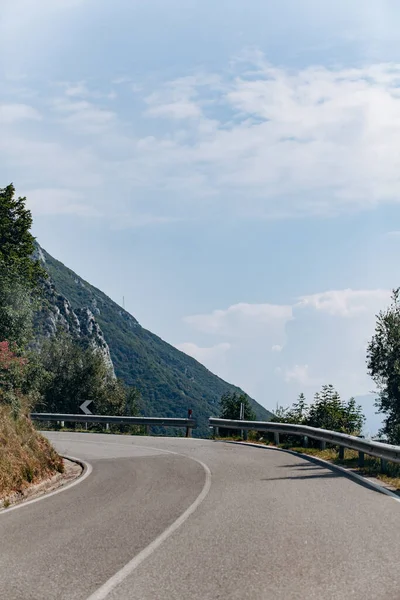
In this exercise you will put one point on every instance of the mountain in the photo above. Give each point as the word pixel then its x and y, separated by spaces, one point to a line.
pixel 170 381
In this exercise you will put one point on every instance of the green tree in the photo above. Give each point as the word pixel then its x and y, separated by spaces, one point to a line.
pixel 20 275
pixel 17 306
pixel 230 407
pixel 17 244
pixel 329 411
pixel 71 374
pixel 13 372
pixel 132 401
pixel 297 413
pixel 383 362
pixel 67 374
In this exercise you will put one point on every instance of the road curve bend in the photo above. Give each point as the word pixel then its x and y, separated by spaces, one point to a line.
pixel 176 518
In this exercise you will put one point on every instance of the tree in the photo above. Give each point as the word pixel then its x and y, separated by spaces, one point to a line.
pixel 17 306
pixel 383 362
pixel 71 374
pixel 67 374
pixel 230 407
pixel 17 244
pixel 297 413
pixel 20 275
pixel 13 370
pixel 329 411
pixel 133 401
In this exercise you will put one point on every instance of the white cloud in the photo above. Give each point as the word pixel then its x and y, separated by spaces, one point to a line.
pixel 300 374
pixel 130 221
pixel 277 348
pixel 282 350
pixel 290 142
pixel 180 98
pixel 82 116
pixel 179 109
pixel 76 89
pixel 242 319
pixel 345 303
pixel 205 355
pixel 12 113
pixel 260 141
pixel 59 201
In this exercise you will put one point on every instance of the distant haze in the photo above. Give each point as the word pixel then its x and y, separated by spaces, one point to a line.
pixel 373 418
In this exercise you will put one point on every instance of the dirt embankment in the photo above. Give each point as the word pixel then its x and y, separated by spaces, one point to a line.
pixel 29 465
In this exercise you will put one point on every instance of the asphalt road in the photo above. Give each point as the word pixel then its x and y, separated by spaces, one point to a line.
pixel 150 523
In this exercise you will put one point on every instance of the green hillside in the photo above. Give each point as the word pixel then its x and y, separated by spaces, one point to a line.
pixel 169 380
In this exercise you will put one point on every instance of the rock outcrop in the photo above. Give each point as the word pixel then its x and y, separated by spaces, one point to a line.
pixel 57 313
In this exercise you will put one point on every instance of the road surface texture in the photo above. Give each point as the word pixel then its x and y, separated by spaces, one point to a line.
pixel 148 523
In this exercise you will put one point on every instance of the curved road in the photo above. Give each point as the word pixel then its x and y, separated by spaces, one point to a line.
pixel 151 523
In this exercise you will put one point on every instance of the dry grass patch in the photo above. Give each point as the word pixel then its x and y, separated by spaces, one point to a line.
pixel 26 457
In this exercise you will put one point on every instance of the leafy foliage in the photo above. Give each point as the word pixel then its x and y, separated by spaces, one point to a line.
pixel 230 404
pixel 19 275
pixel 230 407
pixel 17 306
pixel 383 362
pixel 13 371
pixel 71 374
pixel 328 411
pixel 16 241
pixel 170 382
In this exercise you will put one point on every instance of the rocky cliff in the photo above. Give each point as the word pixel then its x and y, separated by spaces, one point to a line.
pixel 57 313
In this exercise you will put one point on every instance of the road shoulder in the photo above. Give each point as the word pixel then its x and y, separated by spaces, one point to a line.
pixel 73 469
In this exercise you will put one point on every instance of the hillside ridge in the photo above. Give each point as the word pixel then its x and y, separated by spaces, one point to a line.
pixel 170 381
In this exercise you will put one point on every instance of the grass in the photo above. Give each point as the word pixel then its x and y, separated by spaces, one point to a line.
pixel 26 457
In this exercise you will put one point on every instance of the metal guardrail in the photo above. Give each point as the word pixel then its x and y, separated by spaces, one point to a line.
pixel 364 446
pixel 189 424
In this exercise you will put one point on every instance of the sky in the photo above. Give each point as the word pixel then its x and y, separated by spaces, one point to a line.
pixel 230 169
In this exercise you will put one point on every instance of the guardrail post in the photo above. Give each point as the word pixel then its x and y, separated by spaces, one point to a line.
pixel 323 445
pixel 147 430
pixel 107 426
pixel 305 441
pixel 216 432
pixel 341 452
pixel 276 438
pixel 361 458
pixel 383 465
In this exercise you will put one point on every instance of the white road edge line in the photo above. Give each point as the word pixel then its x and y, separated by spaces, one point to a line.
pixel 87 469
pixel 350 474
pixel 123 573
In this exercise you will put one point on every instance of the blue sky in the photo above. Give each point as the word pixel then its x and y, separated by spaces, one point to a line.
pixel 232 169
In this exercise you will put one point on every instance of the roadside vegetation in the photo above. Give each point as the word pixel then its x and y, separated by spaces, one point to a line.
pixel 44 374
pixel 25 456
